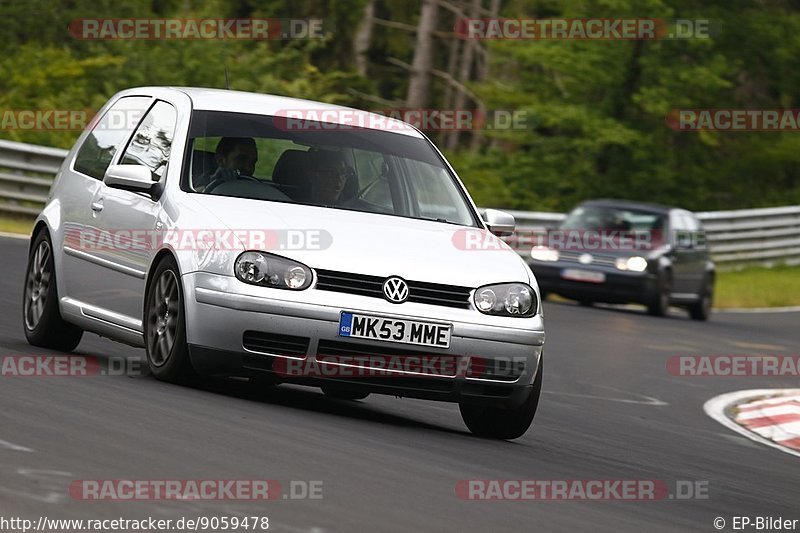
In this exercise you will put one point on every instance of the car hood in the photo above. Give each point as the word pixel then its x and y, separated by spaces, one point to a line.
pixel 372 244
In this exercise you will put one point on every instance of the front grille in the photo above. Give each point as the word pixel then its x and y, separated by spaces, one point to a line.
pixel 275 344
pixel 384 357
pixel 419 291
pixel 572 257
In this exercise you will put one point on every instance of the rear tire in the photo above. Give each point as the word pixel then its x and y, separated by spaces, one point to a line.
pixel 499 423
pixel 41 318
pixel 701 310
pixel 165 325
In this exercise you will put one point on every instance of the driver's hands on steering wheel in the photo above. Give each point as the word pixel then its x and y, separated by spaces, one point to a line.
pixel 223 175
pixel 226 174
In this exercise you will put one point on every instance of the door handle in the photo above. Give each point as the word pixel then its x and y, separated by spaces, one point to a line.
pixel 97 206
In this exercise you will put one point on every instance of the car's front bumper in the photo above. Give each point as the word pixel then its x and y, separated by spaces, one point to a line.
pixel 220 309
pixel 618 287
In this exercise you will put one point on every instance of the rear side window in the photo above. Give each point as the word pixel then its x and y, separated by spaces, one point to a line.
pixel 109 134
pixel 152 142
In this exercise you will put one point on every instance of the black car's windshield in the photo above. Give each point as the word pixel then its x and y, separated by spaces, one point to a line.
pixel 593 217
pixel 259 157
pixel 611 219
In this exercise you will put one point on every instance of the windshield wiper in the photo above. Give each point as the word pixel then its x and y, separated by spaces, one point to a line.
pixel 442 220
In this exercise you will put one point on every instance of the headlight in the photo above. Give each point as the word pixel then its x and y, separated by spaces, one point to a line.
pixel 634 264
pixel 543 253
pixel 506 299
pixel 267 270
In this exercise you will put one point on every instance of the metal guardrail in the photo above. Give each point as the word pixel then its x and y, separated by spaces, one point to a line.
pixel 765 236
pixel 26 173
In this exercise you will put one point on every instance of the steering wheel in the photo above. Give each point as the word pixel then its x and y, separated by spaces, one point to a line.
pixel 219 181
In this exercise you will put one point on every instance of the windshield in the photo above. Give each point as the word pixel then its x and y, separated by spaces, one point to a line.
pixel 617 222
pixel 358 169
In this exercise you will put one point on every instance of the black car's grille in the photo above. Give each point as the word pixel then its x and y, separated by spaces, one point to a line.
pixel 273 343
pixel 571 256
pixel 419 291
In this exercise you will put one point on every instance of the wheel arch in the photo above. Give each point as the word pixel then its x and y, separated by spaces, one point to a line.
pixel 160 256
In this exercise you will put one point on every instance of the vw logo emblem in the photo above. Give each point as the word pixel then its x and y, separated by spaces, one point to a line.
pixel 585 259
pixel 395 290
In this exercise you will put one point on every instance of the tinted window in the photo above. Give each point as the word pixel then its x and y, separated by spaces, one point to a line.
pixel 597 217
pixel 260 157
pixel 152 142
pixel 109 134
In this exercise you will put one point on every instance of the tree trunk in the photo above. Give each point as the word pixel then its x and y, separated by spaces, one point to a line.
pixel 363 37
pixel 464 73
pixel 419 86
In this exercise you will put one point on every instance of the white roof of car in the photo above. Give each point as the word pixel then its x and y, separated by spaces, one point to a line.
pixel 293 108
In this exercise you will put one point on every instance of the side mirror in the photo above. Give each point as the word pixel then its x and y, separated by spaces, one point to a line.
pixel 136 178
pixel 499 222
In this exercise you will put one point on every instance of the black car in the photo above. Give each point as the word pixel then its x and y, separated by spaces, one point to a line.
pixel 617 251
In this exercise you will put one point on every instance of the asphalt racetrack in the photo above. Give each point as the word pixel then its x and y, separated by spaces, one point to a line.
pixel 610 410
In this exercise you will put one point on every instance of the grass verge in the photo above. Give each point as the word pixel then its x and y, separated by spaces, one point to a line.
pixel 16 225
pixel 758 287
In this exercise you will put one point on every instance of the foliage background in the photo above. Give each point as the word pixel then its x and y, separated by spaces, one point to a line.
pixel 596 109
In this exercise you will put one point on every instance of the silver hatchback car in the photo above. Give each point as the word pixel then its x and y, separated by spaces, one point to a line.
pixel 239 234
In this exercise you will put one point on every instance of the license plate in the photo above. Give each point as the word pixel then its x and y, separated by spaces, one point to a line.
pixel 583 275
pixel 435 335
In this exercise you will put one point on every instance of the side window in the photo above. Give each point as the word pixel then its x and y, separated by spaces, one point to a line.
pixel 681 232
pixel 109 134
pixel 695 229
pixel 152 142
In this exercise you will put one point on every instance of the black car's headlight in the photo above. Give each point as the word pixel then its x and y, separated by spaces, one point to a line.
pixel 633 264
pixel 543 253
pixel 268 270
pixel 506 299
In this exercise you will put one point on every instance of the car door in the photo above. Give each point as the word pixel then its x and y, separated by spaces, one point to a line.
pixel 128 220
pixel 77 188
pixel 681 254
pixel 696 267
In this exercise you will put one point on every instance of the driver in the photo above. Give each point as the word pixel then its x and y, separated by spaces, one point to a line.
pixel 235 156
pixel 328 177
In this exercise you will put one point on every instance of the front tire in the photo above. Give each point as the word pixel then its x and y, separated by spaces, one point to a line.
pixel 499 423
pixel 41 318
pixel 659 300
pixel 165 325
pixel 701 309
